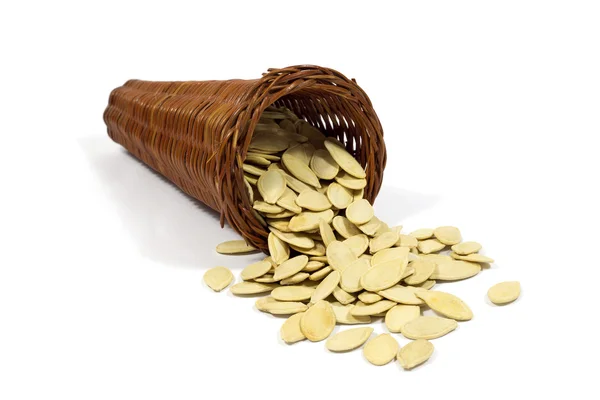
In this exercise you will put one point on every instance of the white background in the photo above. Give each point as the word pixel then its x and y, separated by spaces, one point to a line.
pixel 491 119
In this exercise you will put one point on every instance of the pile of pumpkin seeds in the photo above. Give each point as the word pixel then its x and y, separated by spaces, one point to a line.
pixel 332 261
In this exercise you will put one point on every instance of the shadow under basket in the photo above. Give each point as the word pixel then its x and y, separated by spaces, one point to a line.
pixel 197 133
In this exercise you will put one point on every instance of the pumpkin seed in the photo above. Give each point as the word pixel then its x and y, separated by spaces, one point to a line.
pixel 296 278
pixel 402 294
pixel 423 270
pixel 313 200
pixel 323 165
pixel 359 212
pixel 384 275
pixel 279 250
pixel 448 235
pixel 407 241
pixel 288 201
pixel 446 304
pixel 339 196
pixel 309 220
pixel 326 287
pixel 303 152
pixel 344 159
pixel 383 241
pixel 318 321
pixel 292 293
pixel 326 233
pixel 297 239
pixel 466 248
pixel 415 353
pixel 253 169
pixel 369 297
pixel 320 274
pixel 344 227
pixel 262 302
pixel 290 331
pixel 358 244
pixel 339 256
pixel 372 227
pixel 428 327
pixel 430 246
pixel 290 267
pixel 371 309
pixel 218 278
pixel 258 160
pixel 313 266
pixel 342 296
pixel 475 257
pixel 385 255
pixel 235 247
pixel 255 270
pixel 349 339
pixel 284 307
pixel 300 170
pixel 422 234
pixel 455 270
pixel 265 207
pixel 343 315
pixel 247 287
pixel 271 186
pixel 381 350
pixel 504 292
pixel 397 316
pixel 349 181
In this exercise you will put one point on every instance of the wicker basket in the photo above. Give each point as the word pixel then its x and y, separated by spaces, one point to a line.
pixel 197 133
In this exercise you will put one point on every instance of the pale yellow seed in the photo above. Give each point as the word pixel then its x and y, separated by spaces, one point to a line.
pixel 300 170
pixel 423 270
pixel 296 278
pixel 384 275
pixel 261 303
pixel 326 233
pixel 372 309
pixel 290 331
pixel 318 321
pixel 288 201
pixel 448 235
pixel 302 152
pixel 271 186
pixel 323 165
pixel 267 278
pixel 253 169
pixel 430 246
pixel 255 270
pixel 428 327
pixel 427 284
pixel 342 296
pixel 339 256
pixel 372 227
pixel 292 293
pixel 309 220
pixel 320 274
pixel 504 292
pixel 258 160
pixel 265 207
pixel 350 182
pixel 422 234
pixel 344 227
pixel 383 228
pixel 290 267
pixel 249 190
pixel 385 255
pixel 343 315
pixel 285 307
pixel 359 212
pixel 383 241
pixel 235 247
pixel 407 241
pixel 397 316
pixel 358 244
pixel 402 294
pixel 283 214
pixel 446 304
pixel 349 339
pixel 415 353
pixel 245 287
pixel 253 180
pixel 408 272
pixel 369 297
pixel 279 250
pixel 218 278
pixel 297 239
pixel 339 196
pixel 295 184
pixel 314 135
pixel 465 248
pixel 358 194
pixel 381 350
pixel 326 287
pixel 268 143
pixel 269 157
pixel 344 159
pixel 313 200
pixel 478 258
pixel 318 258
pixel 313 266
pixel 279 224
pixel 455 270
pixel 350 280
pixel 317 250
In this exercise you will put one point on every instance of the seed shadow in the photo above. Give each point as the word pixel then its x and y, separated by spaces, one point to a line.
pixel 165 224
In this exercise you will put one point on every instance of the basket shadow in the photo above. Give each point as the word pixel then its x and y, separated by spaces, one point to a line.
pixel 166 224
pixel 393 205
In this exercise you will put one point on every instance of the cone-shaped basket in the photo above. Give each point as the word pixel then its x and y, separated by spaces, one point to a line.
pixel 197 133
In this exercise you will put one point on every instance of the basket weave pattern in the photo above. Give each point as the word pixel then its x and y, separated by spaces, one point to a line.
pixel 197 133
